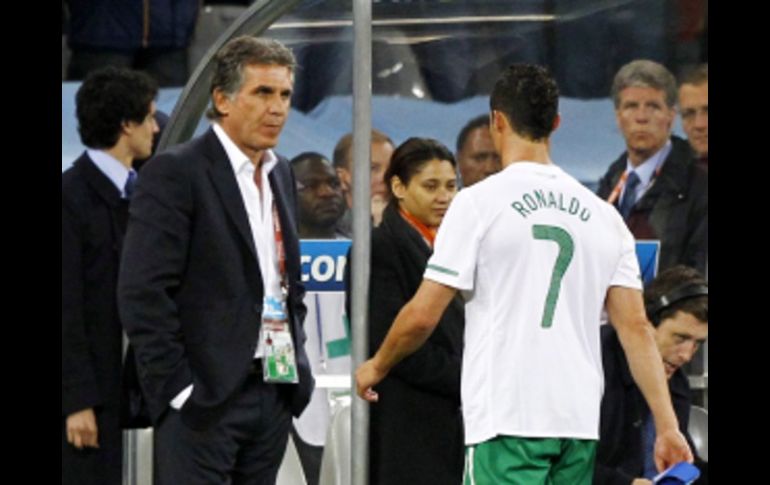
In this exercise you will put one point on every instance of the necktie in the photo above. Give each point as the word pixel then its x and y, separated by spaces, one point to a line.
pixel 648 446
pixel 629 196
pixel 128 189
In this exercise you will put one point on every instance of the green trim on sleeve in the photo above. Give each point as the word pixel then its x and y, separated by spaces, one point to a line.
pixel 441 269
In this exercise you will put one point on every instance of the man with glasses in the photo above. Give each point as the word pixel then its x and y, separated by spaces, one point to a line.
pixel 694 108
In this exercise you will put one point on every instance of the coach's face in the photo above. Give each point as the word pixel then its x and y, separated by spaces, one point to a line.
pixel 254 116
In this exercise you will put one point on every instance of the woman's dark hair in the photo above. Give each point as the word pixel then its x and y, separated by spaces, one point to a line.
pixel 411 155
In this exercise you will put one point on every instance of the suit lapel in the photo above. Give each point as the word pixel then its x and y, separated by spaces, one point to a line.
pixel 672 172
pixel 223 178
pixel 106 190
pixel 415 248
pixel 99 182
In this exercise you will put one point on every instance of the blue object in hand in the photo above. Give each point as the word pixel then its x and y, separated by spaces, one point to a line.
pixel 682 473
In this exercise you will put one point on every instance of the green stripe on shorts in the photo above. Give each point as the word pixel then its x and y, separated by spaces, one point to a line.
pixel 530 461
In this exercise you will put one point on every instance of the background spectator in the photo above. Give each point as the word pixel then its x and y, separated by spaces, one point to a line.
pixel 382 149
pixel 115 109
pixel 476 155
pixel 416 430
pixel 677 305
pixel 150 35
pixel 694 109
pixel 658 190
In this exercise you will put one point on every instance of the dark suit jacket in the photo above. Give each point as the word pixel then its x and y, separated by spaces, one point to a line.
pixel 190 289
pixel 93 224
pixel 674 209
pixel 619 456
pixel 416 431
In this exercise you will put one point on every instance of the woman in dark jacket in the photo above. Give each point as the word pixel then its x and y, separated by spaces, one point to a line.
pixel 416 433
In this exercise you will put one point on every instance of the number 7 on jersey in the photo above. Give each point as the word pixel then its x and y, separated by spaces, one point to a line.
pixel 566 250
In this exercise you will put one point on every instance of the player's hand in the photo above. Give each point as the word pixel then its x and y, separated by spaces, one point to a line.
pixel 641 481
pixel 671 448
pixel 367 376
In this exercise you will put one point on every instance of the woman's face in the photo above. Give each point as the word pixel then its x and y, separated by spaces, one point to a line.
pixel 429 192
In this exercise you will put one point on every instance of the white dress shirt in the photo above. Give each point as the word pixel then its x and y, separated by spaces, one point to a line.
pixel 646 170
pixel 259 209
pixel 111 168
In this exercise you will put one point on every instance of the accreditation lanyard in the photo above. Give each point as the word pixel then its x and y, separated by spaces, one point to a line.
pixel 280 251
pixel 622 183
pixel 280 363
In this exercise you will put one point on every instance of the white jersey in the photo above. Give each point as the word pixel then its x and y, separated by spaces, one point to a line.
pixel 534 253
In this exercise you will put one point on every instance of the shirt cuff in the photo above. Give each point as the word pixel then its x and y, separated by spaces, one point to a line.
pixel 181 398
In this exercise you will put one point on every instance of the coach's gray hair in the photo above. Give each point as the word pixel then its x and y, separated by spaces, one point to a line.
pixel 243 51
pixel 645 74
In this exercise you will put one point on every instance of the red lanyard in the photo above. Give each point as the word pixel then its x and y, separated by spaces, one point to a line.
pixel 622 182
pixel 277 233
pixel 279 248
pixel 618 187
pixel 429 234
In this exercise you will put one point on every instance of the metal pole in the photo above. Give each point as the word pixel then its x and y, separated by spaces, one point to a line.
pixel 362 134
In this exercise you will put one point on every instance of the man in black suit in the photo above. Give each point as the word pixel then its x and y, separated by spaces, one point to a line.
pixel 209 291
pixel 655 185
pixel 115 112
pixel 677 305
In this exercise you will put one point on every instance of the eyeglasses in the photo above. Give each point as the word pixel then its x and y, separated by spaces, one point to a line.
pixel 315 184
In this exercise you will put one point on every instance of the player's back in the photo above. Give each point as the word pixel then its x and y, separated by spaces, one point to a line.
pixel 547 249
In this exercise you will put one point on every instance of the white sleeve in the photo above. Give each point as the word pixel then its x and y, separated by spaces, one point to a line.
pixel 627 273
pixel 455 250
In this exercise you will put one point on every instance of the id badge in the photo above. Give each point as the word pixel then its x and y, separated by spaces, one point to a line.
pixel 279 361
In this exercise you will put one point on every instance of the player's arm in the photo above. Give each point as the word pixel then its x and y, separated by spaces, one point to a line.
pixel 627 314
pixel 412 327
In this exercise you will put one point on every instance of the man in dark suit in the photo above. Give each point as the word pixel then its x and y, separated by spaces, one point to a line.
pixel 677 305
pixel 210 282
pixel 115 112
pixel 655 185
